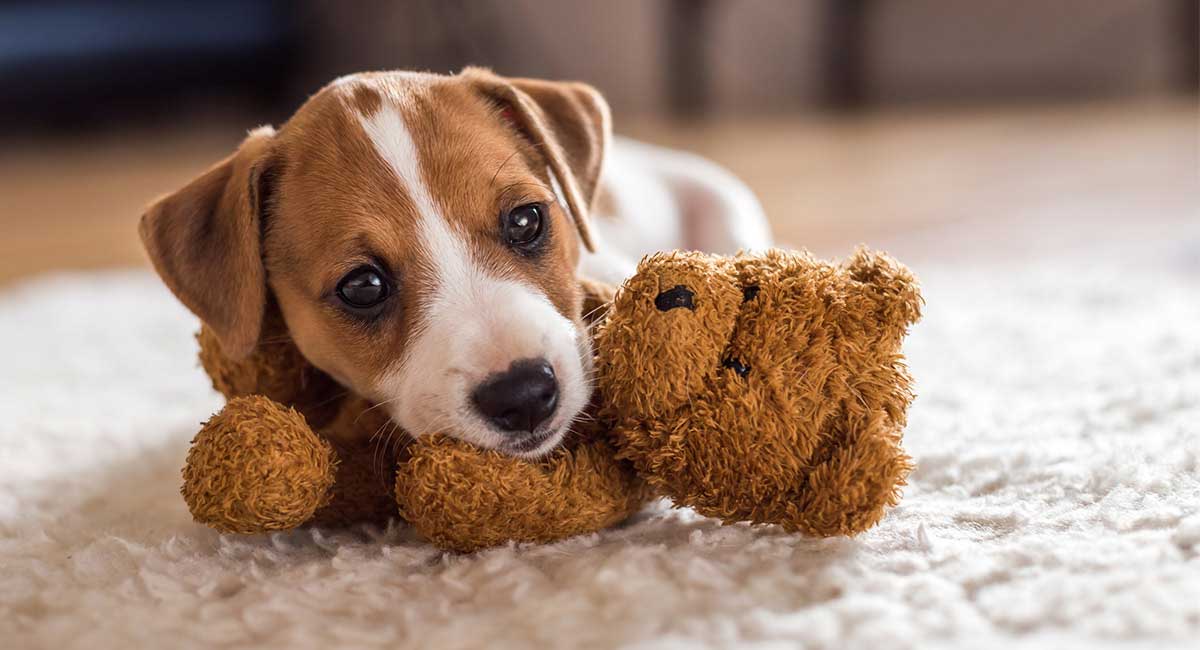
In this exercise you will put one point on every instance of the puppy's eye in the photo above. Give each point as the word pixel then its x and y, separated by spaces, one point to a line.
pixel 522 226
pixel 363 287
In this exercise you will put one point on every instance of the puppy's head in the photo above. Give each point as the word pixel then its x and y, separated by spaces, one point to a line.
pixel 420 235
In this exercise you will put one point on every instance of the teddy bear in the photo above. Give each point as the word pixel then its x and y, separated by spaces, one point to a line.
pixel 766 388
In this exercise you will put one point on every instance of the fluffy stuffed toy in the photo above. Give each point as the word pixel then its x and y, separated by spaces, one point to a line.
pixel 762 388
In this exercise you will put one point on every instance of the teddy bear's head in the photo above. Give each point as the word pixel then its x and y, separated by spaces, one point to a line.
pixel 759 370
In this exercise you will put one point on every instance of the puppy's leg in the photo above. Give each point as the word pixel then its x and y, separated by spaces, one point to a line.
pixel 718 213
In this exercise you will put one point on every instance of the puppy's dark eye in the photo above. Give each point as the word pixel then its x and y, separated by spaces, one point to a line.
pixel 363 287
pixel 522 226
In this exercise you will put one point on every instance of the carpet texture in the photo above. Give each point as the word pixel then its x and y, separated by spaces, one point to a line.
pixel 1056 433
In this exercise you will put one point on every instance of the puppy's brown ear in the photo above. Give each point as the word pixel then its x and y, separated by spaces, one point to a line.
pixel 570 124
pixel 204 240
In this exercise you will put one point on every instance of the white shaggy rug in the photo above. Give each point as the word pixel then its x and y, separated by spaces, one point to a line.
pixel 1057 434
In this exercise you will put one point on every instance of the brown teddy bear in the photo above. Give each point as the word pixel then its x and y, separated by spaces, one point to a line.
pixel 762 388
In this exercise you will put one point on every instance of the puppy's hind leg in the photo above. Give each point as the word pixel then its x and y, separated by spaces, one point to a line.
pixel 719 213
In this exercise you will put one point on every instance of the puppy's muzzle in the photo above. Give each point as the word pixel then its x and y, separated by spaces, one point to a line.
pixel 519 399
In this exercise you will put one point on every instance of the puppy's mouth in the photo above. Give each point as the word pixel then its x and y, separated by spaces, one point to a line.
pixel 523 409
pixel 531 444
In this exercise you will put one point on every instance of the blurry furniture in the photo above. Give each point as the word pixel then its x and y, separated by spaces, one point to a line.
pixel 70 62
pixel 78 60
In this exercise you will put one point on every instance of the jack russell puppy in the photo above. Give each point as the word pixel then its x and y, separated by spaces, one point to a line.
pixel 423 235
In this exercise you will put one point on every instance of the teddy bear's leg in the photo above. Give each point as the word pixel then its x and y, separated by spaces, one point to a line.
pixel 464 499
pixel 859 475
pixel 256 467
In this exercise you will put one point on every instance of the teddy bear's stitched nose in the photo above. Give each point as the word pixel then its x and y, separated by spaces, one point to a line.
pixel 677 296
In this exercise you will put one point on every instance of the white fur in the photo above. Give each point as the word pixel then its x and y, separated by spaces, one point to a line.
pixel 665 199
pixel 473 325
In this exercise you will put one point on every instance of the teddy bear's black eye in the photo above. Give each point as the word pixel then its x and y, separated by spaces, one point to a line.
pixel 363 288
pixel 750 293
pixel 737 366
pixel 677 296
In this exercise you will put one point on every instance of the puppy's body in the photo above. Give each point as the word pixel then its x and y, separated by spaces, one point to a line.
pixel 655 199
pixel 420 236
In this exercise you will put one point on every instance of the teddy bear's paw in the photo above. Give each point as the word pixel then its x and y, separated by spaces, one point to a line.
pixel 256 466
pixel 834 488
pixel 666 330
pixel 732 460
pixel 850 492
pixel 463 498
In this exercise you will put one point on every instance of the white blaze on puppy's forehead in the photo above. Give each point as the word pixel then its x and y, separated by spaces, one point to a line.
pixel 393 141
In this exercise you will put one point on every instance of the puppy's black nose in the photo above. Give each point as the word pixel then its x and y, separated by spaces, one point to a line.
pixel 520 398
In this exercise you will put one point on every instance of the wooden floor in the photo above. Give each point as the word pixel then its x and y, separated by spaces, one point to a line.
pixel 827 183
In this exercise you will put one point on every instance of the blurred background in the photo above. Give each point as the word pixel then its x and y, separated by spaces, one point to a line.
pixel 939 128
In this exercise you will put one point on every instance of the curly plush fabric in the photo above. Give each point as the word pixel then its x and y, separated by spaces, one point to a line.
pixel 461 503
pixel 257 466
pixel 766 388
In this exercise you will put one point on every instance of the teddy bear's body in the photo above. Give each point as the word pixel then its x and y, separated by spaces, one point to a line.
pixel 768 389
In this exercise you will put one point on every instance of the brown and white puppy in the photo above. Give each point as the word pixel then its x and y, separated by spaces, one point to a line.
pixel 421 237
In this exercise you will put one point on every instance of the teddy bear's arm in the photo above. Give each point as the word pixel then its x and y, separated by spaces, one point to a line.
pixel 256 466
pixel 463 498
pixel 849 491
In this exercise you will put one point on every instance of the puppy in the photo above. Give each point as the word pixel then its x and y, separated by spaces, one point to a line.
pixel 421 237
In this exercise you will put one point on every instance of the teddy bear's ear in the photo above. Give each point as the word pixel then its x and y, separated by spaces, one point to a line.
pixel 896 291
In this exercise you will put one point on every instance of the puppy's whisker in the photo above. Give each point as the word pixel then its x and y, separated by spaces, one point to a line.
pixel 375 435
pixel 387 455
pixel 511 186
pixel 587 317
pixel 375 406
pixel 501 167
pixel 275 340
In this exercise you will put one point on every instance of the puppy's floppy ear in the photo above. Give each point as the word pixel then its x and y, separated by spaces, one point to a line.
pixel 569 122
pixel 205 242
